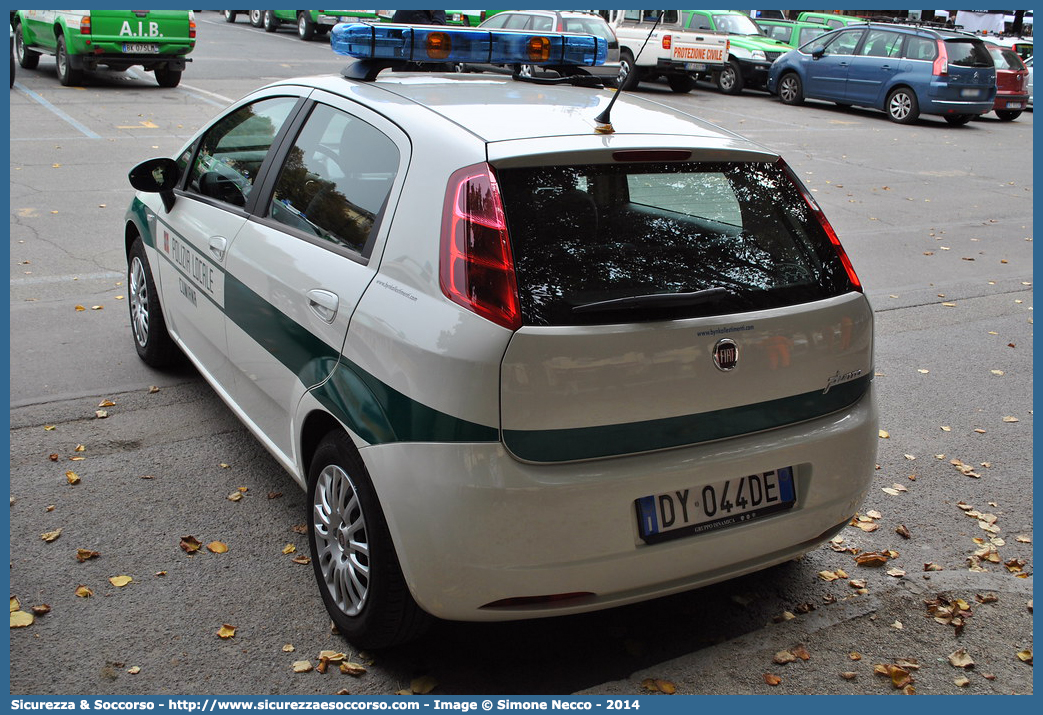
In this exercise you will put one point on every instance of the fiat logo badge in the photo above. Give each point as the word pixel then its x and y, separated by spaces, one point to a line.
pixel 725 355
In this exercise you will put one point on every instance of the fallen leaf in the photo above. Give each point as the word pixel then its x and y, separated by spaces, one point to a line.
pixel 217 547
pixel 288 549
pixel 107 403
pixel 871 558
pixel 190 544
pixel 962 682
pixel 21 619
pixel 226 631
pixel 83 592
pixel 72 477
pixel 101 414
pixel 849 675
pixel 1011 419
pixel 961 659
pixel 50 536
pixel 288 648
pixel 783 657
pixel 1025 656
pixel 932 567
pixel 301 559
pixel 903 531
pixel 120 581
pixel 302 666
pixel 884 434
pixel 42 610
pixel 355 669
pixel 134 670
pixel 84 554
pixel 772 679
pixel 234 496
pixel 423 685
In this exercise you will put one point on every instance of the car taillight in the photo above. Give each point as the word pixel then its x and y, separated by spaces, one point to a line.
pixel 666 42
pixel 941 62
pixel 85 25
pixel 191 29
pixel 824 223
pixel 476 266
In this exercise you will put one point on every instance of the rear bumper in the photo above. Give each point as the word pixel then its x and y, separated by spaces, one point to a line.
pixel 474 526
pixel 149 61
pixel 1011 101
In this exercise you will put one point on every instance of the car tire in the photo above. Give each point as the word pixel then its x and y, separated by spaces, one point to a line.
pixel 629 74
pixel 67 74
pixel 152 342
pixel 958 120
pixel 28 59
pixel 528 71
pixel 729 79
pixel 168 77
pixel 1008 115
pixel 681 83
pixel 230 15
pixel 791 89
pixel 305 27
pixel 902 106
pixel 271 23
pixel 256 18
pixel 354 559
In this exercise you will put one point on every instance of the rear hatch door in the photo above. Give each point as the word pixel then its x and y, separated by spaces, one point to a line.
pixel 668 303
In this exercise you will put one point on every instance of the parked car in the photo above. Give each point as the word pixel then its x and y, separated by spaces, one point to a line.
pixel 791 32
pixel 526 360
pixel 11 29
pixel 1012 76
pixel 552 21
pixel 313 23
pixel 157 40
pixel 231 15
pixel 904 71
pixel 750 51
pixel 831 20
pixel 1021 45
pixel 468 18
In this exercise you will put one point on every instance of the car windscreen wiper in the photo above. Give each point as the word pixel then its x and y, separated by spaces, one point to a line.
pixel 656 300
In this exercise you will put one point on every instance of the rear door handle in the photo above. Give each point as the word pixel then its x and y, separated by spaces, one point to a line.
pixel 218 244
pixel 324 304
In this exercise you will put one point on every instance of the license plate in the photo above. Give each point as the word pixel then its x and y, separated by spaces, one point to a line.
pixel 715 505
pixel 970 92
pixel 695 67
pixel 1014 105
pixel 140 48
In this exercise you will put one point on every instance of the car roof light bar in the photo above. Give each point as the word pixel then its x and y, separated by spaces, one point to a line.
pixel 391 45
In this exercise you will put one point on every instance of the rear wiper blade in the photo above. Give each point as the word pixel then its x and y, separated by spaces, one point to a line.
pixel 656 300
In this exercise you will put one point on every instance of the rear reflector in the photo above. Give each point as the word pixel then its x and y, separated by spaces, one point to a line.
pixel 476 266
pixel 824 222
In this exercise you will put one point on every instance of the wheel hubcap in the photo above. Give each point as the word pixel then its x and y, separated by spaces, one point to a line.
pixel 727 79
pixel 900 106
pixel 341 540
pixel 138 302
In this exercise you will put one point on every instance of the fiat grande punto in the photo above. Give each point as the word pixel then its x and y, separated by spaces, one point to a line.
pixel 527 356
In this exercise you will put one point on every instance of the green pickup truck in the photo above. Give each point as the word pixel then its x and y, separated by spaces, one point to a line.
pixel 157 40
pixel 310 23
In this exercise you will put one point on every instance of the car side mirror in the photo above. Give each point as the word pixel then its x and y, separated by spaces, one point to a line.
pixel 819 53
pixel 156 176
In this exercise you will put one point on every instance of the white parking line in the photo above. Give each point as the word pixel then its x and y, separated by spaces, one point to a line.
pixel 57 112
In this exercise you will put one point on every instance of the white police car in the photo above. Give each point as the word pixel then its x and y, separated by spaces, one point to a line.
pixel 527 358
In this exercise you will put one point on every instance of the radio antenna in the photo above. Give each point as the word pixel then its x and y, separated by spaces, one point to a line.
pixel 604 121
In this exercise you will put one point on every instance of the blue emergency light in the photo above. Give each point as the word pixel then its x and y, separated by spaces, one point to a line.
pixel 427 43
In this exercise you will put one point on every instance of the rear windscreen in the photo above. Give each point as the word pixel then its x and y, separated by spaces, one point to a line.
pixel 968 53
pixel 614 243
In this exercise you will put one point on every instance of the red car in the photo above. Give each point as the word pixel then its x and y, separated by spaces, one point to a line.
pixel 1012 78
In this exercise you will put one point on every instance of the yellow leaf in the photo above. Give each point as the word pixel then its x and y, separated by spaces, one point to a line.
pixel 15 605
pixel 288 549
pixel 1011 419
pixel 288 648
pixel 72 477
pixel 423 685
pixel 190 544
pixel 101 414
pixel 83 592
pixel 302 666
pixel 234 496
pixel 49 428
pixel 120 581
pixel 1025 656
pixel 961 659
pixel 80 448
pixel 226 631
pixel 217 547
pixel 331 656
pixel 962 682
pixel 21 619
pixel 107 403
pixel 134 670
pixel 50 536
pixel 355 669
pixel 884 434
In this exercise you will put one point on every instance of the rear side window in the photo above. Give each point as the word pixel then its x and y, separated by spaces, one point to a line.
pixel 968 53
pixel 599 244
pixel 920 48
pixel 336 179
pixel 1005 59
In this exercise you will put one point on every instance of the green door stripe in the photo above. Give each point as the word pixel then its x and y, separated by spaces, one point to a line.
pixel 372 409
pixel 565 445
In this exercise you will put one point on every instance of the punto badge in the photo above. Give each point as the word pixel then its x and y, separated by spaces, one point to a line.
pixel 725 354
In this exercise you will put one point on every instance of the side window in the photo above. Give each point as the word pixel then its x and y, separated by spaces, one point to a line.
pixel 541 23
pixel 699 22
pixel 336 179
pixel 232 151
pixel 920 48
pixel 881 43
pixel 495 22
pixel 844 43
pixel 516 22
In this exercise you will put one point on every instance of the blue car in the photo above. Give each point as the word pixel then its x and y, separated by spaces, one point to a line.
pixel 901 70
